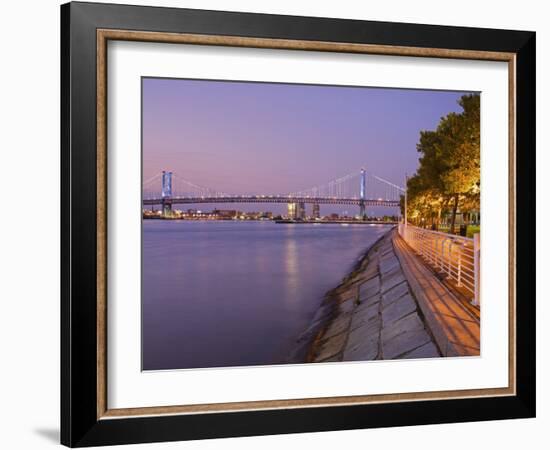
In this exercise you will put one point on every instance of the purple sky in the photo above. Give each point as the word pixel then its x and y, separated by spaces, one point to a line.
pixel 272 138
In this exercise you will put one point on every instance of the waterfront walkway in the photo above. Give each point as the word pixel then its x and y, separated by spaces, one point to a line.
pixel 390 307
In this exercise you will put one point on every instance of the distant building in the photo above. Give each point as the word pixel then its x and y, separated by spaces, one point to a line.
pixel 225 213
pixel 301 211
pixel 296 211
pixel 316 211
pixel 291 210
pixel 253 215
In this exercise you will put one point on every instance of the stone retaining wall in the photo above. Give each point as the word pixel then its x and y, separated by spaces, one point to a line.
pixel 371 315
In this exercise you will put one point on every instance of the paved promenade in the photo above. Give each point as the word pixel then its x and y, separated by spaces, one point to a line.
pixel 390 307
pixel 455 326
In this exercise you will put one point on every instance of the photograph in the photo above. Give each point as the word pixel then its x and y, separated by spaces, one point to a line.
pixel 301 223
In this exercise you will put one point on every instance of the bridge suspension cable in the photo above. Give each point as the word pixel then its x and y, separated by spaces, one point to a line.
pixel 151 186
pixel 389 183
pixel 348 187
pixel 184 188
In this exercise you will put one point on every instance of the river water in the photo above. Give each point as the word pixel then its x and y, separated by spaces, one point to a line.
pixel 236 293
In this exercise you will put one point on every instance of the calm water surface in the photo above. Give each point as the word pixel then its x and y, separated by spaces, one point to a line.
pixel 238 293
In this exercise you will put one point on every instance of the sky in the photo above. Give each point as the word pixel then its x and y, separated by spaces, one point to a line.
pixel 276 138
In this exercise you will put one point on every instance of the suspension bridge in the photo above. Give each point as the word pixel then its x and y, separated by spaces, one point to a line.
pixel 360 189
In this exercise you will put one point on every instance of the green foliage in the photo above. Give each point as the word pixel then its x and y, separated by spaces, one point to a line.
pixel 471 230
pixel 448 177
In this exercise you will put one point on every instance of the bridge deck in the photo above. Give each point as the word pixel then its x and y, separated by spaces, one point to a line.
pixel 273 199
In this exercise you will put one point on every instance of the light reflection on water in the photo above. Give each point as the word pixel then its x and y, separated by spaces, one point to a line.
pixel 218 294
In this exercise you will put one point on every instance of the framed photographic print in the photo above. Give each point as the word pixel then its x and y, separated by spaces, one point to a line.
pixel 276 224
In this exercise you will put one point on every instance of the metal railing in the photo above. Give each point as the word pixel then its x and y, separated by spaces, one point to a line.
pixel 457 257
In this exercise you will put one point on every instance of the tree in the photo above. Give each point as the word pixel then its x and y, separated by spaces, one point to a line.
pixel 461 144
pixel 448 173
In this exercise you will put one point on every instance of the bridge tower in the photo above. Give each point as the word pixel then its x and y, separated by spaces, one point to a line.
pixel 362 194
pixel 166 194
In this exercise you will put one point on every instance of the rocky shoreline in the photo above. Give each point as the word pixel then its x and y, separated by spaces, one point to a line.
pixel 372 314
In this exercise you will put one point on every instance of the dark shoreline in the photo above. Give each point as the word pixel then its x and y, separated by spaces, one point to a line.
pixel 348 222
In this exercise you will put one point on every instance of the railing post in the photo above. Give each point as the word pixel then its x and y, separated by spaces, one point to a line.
pixel 476 269
pixel 441 257
pixel 449 263
pixel 459 270
pixel 419 237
